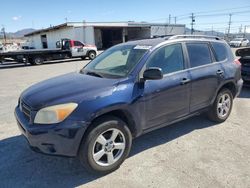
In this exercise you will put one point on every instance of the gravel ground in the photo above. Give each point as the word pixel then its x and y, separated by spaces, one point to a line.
pixel 192 153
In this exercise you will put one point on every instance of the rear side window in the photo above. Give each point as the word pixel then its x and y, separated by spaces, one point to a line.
pixel 220 51
pixel 199 54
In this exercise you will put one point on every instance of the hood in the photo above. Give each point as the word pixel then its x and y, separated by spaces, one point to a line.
pixel 243 52
pixel 73 87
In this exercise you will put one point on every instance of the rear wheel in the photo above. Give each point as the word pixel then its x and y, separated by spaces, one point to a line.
pixel 106 145
pixel 222 106
pixel 36 61
pixel 92 55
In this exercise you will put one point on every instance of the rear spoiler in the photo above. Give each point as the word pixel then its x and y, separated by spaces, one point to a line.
pixel 243 52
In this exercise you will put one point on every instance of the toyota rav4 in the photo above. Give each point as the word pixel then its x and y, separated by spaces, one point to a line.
pixel 126 91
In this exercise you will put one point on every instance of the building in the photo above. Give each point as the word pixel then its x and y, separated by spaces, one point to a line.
pixel 101 34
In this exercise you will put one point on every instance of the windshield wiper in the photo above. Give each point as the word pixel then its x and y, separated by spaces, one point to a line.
pixel 94 74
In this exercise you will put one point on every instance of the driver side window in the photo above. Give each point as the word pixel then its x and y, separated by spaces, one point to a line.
pixel 168 58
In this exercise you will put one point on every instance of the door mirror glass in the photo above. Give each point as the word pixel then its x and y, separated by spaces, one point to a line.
pixel 153 73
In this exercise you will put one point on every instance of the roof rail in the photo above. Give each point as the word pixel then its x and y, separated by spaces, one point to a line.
pixel 194 36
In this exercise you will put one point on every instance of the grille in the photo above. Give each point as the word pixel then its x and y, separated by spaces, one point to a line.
pixel 25 109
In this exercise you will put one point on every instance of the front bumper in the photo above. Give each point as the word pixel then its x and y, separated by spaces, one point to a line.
pixel 59 139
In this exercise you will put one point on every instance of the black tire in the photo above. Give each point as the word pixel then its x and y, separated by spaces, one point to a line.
pixel 36 61
pixel 214 112
pixel 92 55
pixel 89 143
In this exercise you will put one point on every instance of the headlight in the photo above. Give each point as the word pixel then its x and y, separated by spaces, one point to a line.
pixel 54 114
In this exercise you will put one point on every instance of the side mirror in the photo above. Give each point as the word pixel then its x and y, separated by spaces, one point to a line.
pixel 153 73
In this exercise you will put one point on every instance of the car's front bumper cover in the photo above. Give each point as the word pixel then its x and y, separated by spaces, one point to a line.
pixel 58 139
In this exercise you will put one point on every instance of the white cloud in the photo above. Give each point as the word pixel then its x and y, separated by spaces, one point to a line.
pixel 16 18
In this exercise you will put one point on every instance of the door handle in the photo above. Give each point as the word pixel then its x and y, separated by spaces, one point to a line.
pixel 185 81
pixel 219 72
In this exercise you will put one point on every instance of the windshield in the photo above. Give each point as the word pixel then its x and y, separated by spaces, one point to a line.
pixel 115 62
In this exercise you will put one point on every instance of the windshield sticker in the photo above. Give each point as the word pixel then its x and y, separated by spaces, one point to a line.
pixel 140 47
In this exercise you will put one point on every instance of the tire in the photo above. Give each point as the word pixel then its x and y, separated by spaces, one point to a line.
pixel 37 61
pixel 99 139
pixel 221 108
pixel 92 55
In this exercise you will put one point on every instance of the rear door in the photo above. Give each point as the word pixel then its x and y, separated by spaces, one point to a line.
pixel 206 74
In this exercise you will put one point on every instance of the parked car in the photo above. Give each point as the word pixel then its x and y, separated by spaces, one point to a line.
pixel 239 42
pixel 126 91
pixel 244 54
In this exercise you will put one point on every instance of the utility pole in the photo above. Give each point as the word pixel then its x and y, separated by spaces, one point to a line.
pixel 4 35
pixel 245 30
pixel 169 18
pixel 192 23
pixel 212 30
pixel 175 18
pixel 240 29
pixel 229 24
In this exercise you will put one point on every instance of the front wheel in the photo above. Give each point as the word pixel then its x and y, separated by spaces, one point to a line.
pixel 92 55
pixel 222 106
pixel 106 145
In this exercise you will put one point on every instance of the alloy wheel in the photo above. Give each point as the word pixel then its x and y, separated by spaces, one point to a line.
pixel 109 147
pixel 223 105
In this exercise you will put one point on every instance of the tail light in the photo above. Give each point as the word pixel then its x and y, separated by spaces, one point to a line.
pixel 237 62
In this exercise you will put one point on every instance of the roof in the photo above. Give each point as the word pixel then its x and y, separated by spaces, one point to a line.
pixel 102 24
pixel 147 42
pixel 178 38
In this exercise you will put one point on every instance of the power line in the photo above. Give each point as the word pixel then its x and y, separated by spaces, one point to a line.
pixel 222 10
pixel 216 10
pixel 223 14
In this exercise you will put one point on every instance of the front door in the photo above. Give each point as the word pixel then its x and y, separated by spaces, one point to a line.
pixel 77 49
pixel 167 99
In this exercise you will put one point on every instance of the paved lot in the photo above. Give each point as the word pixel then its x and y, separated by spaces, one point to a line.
pixel 193 153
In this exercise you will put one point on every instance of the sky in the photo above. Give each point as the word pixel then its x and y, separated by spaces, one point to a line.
pixel 19 14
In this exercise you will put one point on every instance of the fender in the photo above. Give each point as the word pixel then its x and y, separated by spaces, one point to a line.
pixel 121 109
pixel 231 81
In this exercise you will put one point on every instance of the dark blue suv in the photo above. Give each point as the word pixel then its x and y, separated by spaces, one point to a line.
pixel 128 90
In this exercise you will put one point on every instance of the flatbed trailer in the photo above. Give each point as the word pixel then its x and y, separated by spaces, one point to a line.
pixel 68 49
